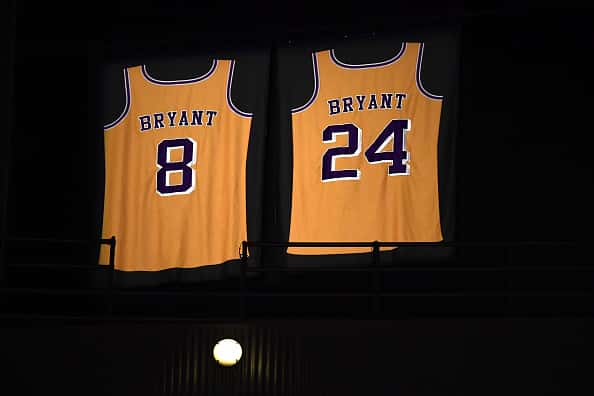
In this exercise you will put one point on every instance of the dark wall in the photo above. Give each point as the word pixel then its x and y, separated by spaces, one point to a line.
pixel 523 149
pixel 524 172
pixel 414 357
pixel 524 165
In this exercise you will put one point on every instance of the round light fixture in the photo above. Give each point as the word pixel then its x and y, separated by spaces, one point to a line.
pixel 227 352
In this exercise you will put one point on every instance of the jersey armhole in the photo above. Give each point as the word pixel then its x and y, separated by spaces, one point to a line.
pixel 229 100
pixel 418 76
pixel 316 86
pixel 126 106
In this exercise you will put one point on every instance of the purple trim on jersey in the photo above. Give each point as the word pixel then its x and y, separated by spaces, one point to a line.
pixel 367 65
pixel 419 83
pixel 316 86
pixel 178 82
pixel 229 101
pixel 126 107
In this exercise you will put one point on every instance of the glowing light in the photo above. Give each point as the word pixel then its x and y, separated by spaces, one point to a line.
pixel 227 352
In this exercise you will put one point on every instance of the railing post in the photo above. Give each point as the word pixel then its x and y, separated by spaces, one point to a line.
pixel 376 279
pixel 6 143
pixel 242 281
pixel 3 258
pixel 112 248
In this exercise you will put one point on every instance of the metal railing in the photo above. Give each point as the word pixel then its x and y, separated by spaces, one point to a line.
pixel 107 292
pixel 376 270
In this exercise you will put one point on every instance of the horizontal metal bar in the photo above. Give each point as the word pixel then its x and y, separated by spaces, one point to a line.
pixel 232 320
pixel 229 319
pixel 422 269
pixel 318 268
pixel 410 244
pixel 90 292
pixel 339 244
pixel 59 241
pixel 93 267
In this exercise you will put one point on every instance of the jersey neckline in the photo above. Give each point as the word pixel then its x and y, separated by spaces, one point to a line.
pixel 156 81
pixel 387 62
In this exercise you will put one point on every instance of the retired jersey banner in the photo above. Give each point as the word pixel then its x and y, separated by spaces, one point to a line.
pixel 367 140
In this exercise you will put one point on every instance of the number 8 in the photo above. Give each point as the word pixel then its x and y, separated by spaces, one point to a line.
pixel 166 167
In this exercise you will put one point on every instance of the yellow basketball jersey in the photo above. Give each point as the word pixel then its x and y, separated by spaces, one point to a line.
pixel 175 172
pixel 365 154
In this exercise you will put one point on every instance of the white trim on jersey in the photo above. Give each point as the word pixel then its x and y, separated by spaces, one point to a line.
pixel 232 106
pixel 418 76
pixel 387 62
pixel 201 78
pixel 316 86
pixel 127 104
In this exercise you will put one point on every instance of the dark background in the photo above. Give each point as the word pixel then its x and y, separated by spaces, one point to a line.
pixel 514 321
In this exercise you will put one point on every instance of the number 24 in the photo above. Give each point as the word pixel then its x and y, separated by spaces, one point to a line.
pixel 395 130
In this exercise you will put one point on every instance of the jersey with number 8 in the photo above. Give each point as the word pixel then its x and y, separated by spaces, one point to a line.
pixel 365 154
pixel 175 172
